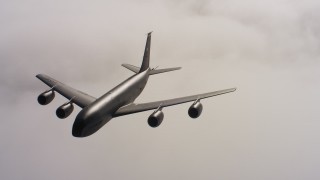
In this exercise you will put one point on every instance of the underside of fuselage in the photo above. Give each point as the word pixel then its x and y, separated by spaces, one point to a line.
pixel 96 115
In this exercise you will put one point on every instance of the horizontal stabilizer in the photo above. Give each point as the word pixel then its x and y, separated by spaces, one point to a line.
pixel 131 68
pixel 157 71
pixel 136 69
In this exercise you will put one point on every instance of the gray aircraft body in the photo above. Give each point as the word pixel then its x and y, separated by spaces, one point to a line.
pixel 97 112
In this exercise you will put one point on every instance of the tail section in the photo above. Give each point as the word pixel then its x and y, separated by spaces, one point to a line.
pixel 146 56
pixel 135 69
pixel 157 71
pixel 132 68
pixel 145 62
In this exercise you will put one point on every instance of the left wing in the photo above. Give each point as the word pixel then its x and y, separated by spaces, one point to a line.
pixel 79 98
pixel 134 108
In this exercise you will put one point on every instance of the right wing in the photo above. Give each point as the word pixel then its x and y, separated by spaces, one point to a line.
pixel 135 108
pixel 79 98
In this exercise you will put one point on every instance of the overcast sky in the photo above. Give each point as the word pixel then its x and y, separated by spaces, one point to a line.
pixel 267 129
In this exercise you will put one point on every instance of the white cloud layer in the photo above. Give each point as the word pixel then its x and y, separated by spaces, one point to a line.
pixel 267 129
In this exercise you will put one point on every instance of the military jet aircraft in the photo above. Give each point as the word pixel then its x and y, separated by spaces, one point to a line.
pixel 119 101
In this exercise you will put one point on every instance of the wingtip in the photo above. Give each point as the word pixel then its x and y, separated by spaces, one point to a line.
pixel 39 75
pixel 176 68
pixel 231 89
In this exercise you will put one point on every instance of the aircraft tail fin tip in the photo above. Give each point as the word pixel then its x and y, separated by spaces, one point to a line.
pixel 146 55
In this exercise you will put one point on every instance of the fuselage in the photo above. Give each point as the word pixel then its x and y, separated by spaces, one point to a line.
pixel 91 118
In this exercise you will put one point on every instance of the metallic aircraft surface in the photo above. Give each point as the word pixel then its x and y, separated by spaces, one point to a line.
pixel 119 101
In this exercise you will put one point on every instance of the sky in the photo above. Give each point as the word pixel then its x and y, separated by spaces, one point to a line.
pixel 267 129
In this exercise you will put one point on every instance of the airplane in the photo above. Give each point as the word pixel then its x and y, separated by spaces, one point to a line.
pixel 119 101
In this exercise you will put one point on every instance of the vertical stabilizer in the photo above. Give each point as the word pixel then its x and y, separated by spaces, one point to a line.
pixel 146 55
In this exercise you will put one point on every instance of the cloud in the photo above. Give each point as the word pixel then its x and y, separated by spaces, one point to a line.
pixel 267 129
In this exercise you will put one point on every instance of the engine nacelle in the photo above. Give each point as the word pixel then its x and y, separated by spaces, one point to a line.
pixel 65 110
pixel 46 97
pixel 195 110
pixel 155 119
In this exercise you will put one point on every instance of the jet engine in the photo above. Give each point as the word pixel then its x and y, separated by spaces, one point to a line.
pixel 195 109
pixel 46 97
pixel 65 110
pixel 155 119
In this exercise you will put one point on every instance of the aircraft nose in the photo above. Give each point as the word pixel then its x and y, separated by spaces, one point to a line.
pixel 78 127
